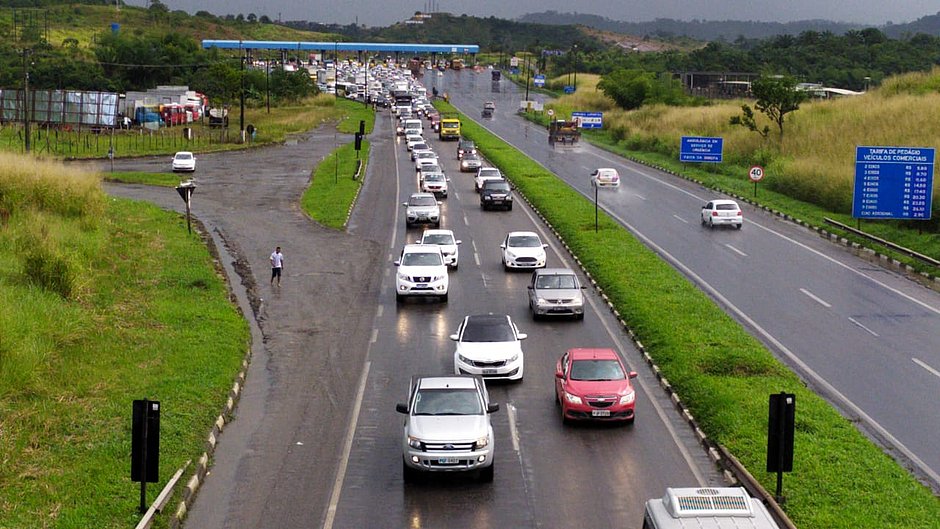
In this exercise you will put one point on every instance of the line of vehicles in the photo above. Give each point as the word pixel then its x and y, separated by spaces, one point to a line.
pixel 446 424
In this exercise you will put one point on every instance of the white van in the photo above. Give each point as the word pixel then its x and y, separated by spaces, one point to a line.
pixel 412 125
pixel 707 508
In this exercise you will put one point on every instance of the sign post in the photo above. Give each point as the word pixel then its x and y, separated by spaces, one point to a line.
pixel 780 426
pixel 700 149
pixel 145 446
pixel 186 189
pixel 755 174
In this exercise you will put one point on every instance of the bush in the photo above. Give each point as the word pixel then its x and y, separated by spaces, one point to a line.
pixel 48 269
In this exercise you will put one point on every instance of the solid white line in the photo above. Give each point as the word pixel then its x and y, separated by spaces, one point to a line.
pixel 641 197
pixel 513 431
pixel 397 199
pixel 815 298
pixel 873 333
pixel 474 244
pixel 735 250
pixel 484 279
pixel 347 449
pixel 476 257
pixel 680 219
pixel 375 336
pixel 932 371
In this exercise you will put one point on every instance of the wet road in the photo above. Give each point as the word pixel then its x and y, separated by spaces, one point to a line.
pixel 864 337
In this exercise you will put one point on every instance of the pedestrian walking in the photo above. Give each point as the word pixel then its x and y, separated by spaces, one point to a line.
pixel 277 264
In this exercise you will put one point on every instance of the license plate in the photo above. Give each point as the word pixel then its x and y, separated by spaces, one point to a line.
pixel 489 371
pixel 448 461
pixel 600 413
pixel 421 285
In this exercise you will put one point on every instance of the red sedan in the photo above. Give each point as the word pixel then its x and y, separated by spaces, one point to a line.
pixel 592 384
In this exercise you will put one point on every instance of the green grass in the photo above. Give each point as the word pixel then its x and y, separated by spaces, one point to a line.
pixel 332 189
pixel 148 316
pixel 167 179
pixel 723 374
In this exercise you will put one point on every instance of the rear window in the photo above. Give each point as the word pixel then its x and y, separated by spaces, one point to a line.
pixel 726 207
pixel 496 185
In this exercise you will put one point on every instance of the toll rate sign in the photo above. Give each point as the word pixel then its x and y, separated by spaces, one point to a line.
pixel 893 182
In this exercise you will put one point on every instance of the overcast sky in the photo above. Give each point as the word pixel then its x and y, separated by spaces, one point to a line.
pixel 386 12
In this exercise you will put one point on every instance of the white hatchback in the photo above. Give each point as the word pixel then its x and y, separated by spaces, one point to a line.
pixel 523 249
pixel 722 212
pixel 184 162
pixel 605 177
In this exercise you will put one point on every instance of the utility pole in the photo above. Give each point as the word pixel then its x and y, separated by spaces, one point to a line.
pixel 576 68
pixel 527 77
pixel 241 117
pixel 267 81
pixel 26 53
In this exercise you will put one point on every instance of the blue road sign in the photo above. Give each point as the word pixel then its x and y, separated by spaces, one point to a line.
pixel 893 182
pixel 700 149
pixel 589 120
pixel 569 89
pixel 539 80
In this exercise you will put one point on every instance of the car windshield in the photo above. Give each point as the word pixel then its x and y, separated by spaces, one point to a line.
pixel 496 186
pixel 434 177
pixel 556 281
pixel 422 201
pixel 489 332
pixel 430 167
pixel 438 238
pixel 448 402
pixel 421 259
pixel 524 241
pixel 596 370
pixel 471 156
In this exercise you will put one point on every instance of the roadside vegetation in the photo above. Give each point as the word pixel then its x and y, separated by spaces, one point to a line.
pixel 809 173
pixel 723 374
pixel 333 188
pixel 102 301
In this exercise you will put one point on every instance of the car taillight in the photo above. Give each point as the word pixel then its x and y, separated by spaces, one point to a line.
pixel 740 214
pixel 714 213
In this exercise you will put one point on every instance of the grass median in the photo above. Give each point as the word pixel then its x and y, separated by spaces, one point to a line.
pixel 102 301
pixel 723 374
pixel 333 188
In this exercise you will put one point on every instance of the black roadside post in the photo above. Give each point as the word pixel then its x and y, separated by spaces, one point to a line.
pixel 267 81
pixel 527 77
pixel 145 446
pixel 186 189
pixel 241 96
pixel 26 53
pixel 780 428
pixel 595 207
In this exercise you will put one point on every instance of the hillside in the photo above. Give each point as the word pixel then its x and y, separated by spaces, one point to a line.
pixel 728 30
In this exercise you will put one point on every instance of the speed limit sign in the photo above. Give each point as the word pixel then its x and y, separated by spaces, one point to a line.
pixel 551 112
pixel 756 173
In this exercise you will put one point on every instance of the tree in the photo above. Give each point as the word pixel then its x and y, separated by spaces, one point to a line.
pixel 776 97
pixel 628 88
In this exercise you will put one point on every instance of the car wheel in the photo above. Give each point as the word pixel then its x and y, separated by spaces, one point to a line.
pixel 486 474
pixel 738 226
pixel 509 207
pixel 444 298
pixel 455 265
pixel 703 221
pixel 555 397
pixel 535 315
pixel 711 223
pixel 408 474
pixel 399 298
pixel 580 317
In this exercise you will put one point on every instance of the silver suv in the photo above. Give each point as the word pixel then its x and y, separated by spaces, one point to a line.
pixel 447 427
pixel 422 207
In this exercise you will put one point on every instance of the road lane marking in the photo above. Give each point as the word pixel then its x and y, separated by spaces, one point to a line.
pixel 932 371
pixel 474 244
pixel 379 311
pixel 347 448
pixel 641 197
pixel 680 219
pixel 465 221
pixel 513 431
pixel 735 250
pixel 397 199
pixel 484 279
pixel 815 298
pixel 476 257
pixel 375 336
pixel 873 333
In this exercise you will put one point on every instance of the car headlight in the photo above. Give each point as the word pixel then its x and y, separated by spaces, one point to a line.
pixel 482 442
pixel 437 278
pixel 414 442
pixel 541 301
pixel 628 398
pixel 403 277
pixel 487 197
pixel 510 255
pixel 513 358
pixel 572 399
pixel 464 359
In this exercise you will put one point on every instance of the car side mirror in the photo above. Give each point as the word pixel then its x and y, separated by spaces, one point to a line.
pixel 401 407
pixel 503 246
pixel 544 246
pixel 632 374
pixel 458 242
pixel 454 337
pixel 559 375
pixel 492 407
pixel 404 204
pixel 397 263
pixel 523 336
pixel 439 202
pixel 583 287
pixel 529 287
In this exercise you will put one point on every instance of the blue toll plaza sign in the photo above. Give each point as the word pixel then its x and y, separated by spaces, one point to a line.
pixel 700 149
pixel 893 183
pixel 539 80
pixel 589 120
pixel 569 89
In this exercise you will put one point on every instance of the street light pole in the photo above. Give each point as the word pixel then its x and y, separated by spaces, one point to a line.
pixel 241 117
pixel 527 77
pixel 575 68
pixel 26 52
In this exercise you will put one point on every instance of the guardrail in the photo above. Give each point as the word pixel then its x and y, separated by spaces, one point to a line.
pixel 888 244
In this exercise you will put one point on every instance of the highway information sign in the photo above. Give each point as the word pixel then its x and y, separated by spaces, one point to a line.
pixel 893 182
pixel 589 120
pixel 539 80
pixel 700 149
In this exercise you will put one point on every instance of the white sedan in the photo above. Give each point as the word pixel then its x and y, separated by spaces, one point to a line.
pixel 184 162
pixel 488 345
pixel 605 177
pixel 523 249
pixel 719 212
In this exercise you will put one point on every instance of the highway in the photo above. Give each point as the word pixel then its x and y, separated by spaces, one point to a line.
pixel 864 337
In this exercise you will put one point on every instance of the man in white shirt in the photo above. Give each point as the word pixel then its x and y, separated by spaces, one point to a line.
pixel 277 263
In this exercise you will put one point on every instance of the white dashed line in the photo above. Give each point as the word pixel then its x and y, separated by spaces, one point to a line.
pixel 513 431
pixel 641 197
pixel 379 311
pixel 465 221
pixel 735 250
pixel 680 219
pixel 484 280
pixel 932 371
pixel 873 333
pixel 476 258
pixel 815 298
pixel 375 336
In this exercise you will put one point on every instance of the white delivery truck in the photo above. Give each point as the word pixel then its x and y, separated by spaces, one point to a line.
pixel 707 508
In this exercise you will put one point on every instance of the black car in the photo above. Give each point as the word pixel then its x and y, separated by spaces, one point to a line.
pixel 465 146
pixel 496 193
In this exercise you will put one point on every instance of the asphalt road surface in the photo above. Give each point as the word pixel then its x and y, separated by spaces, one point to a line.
pixel 862 336
pixel 317 441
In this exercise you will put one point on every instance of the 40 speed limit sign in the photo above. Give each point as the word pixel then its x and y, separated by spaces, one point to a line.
pixel 756 173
